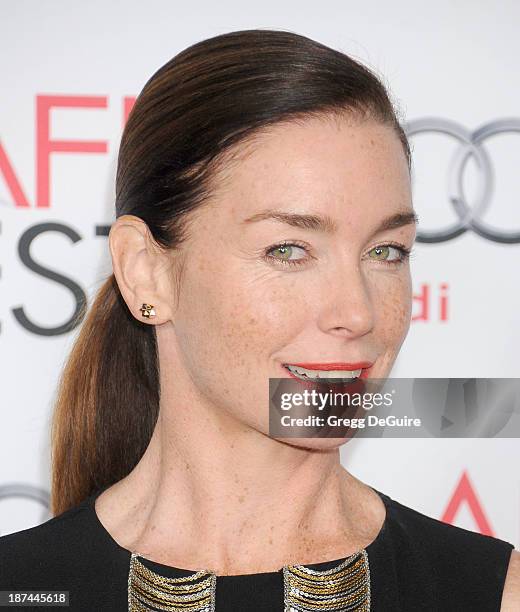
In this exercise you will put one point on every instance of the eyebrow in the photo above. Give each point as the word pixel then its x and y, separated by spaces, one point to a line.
pixel 325 223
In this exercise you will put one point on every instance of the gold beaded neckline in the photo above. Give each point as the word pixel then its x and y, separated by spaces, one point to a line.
pixel 342 588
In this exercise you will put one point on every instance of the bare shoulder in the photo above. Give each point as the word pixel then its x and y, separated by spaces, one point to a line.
pixel 511 594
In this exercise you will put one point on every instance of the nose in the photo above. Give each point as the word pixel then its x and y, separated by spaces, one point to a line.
pixel 347 308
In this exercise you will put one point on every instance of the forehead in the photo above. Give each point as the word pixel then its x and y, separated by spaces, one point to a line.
pixel 324 162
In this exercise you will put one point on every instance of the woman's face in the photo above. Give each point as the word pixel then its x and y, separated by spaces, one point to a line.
pixel 246 305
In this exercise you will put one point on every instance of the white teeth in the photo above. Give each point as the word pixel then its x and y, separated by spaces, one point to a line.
pixel 305 374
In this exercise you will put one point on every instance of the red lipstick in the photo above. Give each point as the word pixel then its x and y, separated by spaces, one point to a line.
pixel 365 366
pixel 336 365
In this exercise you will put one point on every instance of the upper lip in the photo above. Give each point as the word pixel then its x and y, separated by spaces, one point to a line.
pixel 336 365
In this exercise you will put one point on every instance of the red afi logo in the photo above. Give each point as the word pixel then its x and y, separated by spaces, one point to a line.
pixel 45 147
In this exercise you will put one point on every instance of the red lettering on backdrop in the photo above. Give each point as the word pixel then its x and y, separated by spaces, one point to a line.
pixel 464 492
pixel 13 184
pixel 443 303
pixel 128 104
pixel 423 300
pixel 45 146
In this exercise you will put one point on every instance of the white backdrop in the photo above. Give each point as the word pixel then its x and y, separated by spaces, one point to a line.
pixel 69 69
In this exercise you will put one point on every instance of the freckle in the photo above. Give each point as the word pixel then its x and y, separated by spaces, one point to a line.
pixel 241 499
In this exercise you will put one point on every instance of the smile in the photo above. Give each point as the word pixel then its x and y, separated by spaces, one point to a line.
pixel 341 376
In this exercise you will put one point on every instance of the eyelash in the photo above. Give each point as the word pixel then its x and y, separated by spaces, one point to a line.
pixel 404 253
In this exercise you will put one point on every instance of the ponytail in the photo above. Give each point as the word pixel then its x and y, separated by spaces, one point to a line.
pixel 107 401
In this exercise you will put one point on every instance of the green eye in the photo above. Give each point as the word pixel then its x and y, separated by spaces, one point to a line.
pixel 286 254
pixel 381 252
pixel 285 251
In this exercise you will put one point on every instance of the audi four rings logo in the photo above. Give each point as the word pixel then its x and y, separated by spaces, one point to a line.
pixel 469 217
pixel 26 492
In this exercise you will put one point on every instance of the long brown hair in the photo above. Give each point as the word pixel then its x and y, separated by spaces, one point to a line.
pixel 185 122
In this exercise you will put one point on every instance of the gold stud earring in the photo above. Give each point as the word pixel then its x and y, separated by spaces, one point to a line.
pixel 147 310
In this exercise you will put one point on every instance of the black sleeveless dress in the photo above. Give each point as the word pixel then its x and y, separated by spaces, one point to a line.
pixel 416 563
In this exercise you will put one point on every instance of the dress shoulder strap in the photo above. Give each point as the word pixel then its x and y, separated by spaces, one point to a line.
pixel 439 566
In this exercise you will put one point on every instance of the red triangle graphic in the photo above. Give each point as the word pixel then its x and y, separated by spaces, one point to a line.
pixel 464 492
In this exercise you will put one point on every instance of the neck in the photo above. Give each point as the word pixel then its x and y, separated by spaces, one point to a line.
pixel 212 493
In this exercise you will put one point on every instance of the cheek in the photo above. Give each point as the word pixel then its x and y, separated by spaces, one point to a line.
pixel 260 318
pixel 393 308
pixel 237 323
pixel 229 332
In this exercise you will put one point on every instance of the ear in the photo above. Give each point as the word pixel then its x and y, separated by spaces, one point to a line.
pixel 142 269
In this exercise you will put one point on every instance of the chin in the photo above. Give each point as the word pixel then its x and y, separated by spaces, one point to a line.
pixel 316 444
